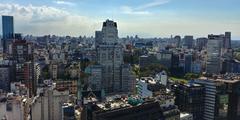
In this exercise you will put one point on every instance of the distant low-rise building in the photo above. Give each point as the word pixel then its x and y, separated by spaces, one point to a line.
pixel 146 60
pixel 71 85
pixel 162 77
pixel 165 58
pixel 142 87
pixel 149 87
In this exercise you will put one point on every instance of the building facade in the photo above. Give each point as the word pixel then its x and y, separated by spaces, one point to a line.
pixel 48 106
pixel 222 96
pixel 5 78
pixel 188 42
pixel 110 57
pixel 8 31
pixel 214 46
pixel 190 99
pixel 201 43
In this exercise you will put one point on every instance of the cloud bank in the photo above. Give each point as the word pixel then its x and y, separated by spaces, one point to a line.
pixel 40 20
pixel 43 20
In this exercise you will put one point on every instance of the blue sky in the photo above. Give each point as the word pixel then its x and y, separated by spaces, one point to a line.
pixel 147 18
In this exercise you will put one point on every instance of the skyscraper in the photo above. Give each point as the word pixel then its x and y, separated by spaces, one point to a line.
pixel 188 42
pixel 227 40
pixel 7 27
pixel 214 46
pixel 178 40
pixel 221 99
pixel 201 43
pixel 109 32
pixel 188 62
pixel 190 99
pixel 8 31
pixel 98 38
pixel 21 51
pixel 110 57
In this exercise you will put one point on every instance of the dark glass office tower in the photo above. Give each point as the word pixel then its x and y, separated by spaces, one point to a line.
pixel 190 98
pixel 8 30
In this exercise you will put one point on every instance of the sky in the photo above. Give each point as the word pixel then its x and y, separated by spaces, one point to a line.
pixel 145 18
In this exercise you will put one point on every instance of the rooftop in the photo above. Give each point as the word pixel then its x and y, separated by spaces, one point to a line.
pixel 220 78
pixel 149 80
pixel 192 85
pixel 12 97
pixel 120 102
pixel 117 102
pixel 182 115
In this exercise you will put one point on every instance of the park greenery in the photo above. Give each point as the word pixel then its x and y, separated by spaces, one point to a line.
pixel 237 55
pixel 45 73
pixel 152 69
pixel 175 74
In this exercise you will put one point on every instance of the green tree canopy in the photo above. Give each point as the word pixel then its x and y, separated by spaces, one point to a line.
pixel 190 76
pixel 152 69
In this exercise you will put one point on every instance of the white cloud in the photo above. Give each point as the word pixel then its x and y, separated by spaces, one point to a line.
pixel 155 3
pixel 141 10
pixel 131 11
pixel 62 2
pixel 40 20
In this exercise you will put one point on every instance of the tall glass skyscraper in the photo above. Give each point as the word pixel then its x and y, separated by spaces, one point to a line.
pixel 7 27
pixel 8 30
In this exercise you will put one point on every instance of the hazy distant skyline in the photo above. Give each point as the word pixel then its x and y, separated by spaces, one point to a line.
pixel 146 18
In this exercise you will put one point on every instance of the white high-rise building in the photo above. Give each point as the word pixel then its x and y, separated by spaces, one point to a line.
pixel 214 46
pixel 109 32
pixel 110 57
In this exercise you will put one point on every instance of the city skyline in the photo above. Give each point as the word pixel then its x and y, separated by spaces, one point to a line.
pixel 82 60
pixel 146 18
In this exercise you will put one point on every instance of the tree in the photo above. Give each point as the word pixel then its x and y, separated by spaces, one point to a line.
pixel 177 72
pixel 45 72
pixel 190 76
pixel 85 63
pixel 136 70
pixel 152 69
pixel 131 59
pixel 237 56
